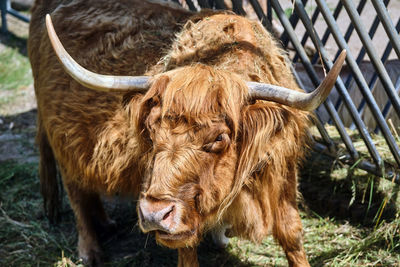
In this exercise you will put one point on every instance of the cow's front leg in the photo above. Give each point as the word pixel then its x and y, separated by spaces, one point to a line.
pixel 187 257
pixel 288 231
pixel 85 206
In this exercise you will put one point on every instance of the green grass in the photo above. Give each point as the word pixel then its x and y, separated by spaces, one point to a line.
pixel 353 216
pixel 330 239
pixel 15 70
pixel 26 237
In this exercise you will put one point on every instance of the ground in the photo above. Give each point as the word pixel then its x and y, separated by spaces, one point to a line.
pixel 350 217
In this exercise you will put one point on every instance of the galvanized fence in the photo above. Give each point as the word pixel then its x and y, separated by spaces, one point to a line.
pixel 5 8
pixel 373 161
pixel 364 106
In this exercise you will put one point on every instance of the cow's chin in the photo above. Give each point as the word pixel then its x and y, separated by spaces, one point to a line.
pixel 179 240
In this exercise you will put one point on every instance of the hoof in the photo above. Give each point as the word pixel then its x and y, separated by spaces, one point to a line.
pixel 90 252
pixel 93 258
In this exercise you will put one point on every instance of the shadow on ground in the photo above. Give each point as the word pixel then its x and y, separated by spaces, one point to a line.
pixel 331 190
pixel 129 247
pixel 11 40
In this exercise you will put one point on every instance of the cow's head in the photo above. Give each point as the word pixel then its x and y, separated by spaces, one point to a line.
pixel 189 119
pixel 202 130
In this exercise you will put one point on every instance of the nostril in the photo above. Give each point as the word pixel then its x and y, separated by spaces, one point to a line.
pixel 157 215
pixel 168 213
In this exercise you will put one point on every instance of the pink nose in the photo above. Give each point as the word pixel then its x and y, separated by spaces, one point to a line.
pixel 157 215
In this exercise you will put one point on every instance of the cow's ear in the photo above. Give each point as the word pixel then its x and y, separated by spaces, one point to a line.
pixel 259 124
pixel 271 136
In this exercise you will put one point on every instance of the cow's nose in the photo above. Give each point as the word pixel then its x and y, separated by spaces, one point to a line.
pixel 157 215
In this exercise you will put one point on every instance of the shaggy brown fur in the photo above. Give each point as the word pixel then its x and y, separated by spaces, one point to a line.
pixel 194 139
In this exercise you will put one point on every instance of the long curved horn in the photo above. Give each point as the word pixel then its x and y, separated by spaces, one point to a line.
pixel 299 100
pixel 105 83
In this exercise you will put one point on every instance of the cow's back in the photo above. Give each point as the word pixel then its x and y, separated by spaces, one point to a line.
pixel 109 37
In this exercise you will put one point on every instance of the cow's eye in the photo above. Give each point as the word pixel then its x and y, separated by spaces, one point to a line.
pixel 219 144
pixel 219 138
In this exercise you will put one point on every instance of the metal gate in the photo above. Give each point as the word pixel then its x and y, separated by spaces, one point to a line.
pixel 5 8
pixel 352 109
pixel 367 85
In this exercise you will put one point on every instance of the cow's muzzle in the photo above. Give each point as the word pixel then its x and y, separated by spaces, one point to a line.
pixel 171 221
pixel 158 215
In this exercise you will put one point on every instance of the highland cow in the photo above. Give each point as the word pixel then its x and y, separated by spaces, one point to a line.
pixel 195 114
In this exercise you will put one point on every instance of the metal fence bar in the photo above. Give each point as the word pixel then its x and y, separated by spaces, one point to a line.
pixel 294 19
pixel 317 120
pixel 389 46
pixel 203 3
pixel 385 56
pixel 390 174
pixel 219 4
pixel 309 68
pixel 260 14
pixel 331 147
pixel 336 14
pixel 17 15
pixel 386 109
pixel 305 37
pixel 339 85
pixel 237 7
pixel 360 57
pixel 350 29
pixel 191 6
pixel 371 34
pixel 347 36
pixel 325 37
pixel 5 8
pixel 269 11
pixel 360 81
pixel 388 25
pixel 380 69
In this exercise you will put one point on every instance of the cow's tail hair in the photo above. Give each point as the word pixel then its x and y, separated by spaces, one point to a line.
pixel 49 183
